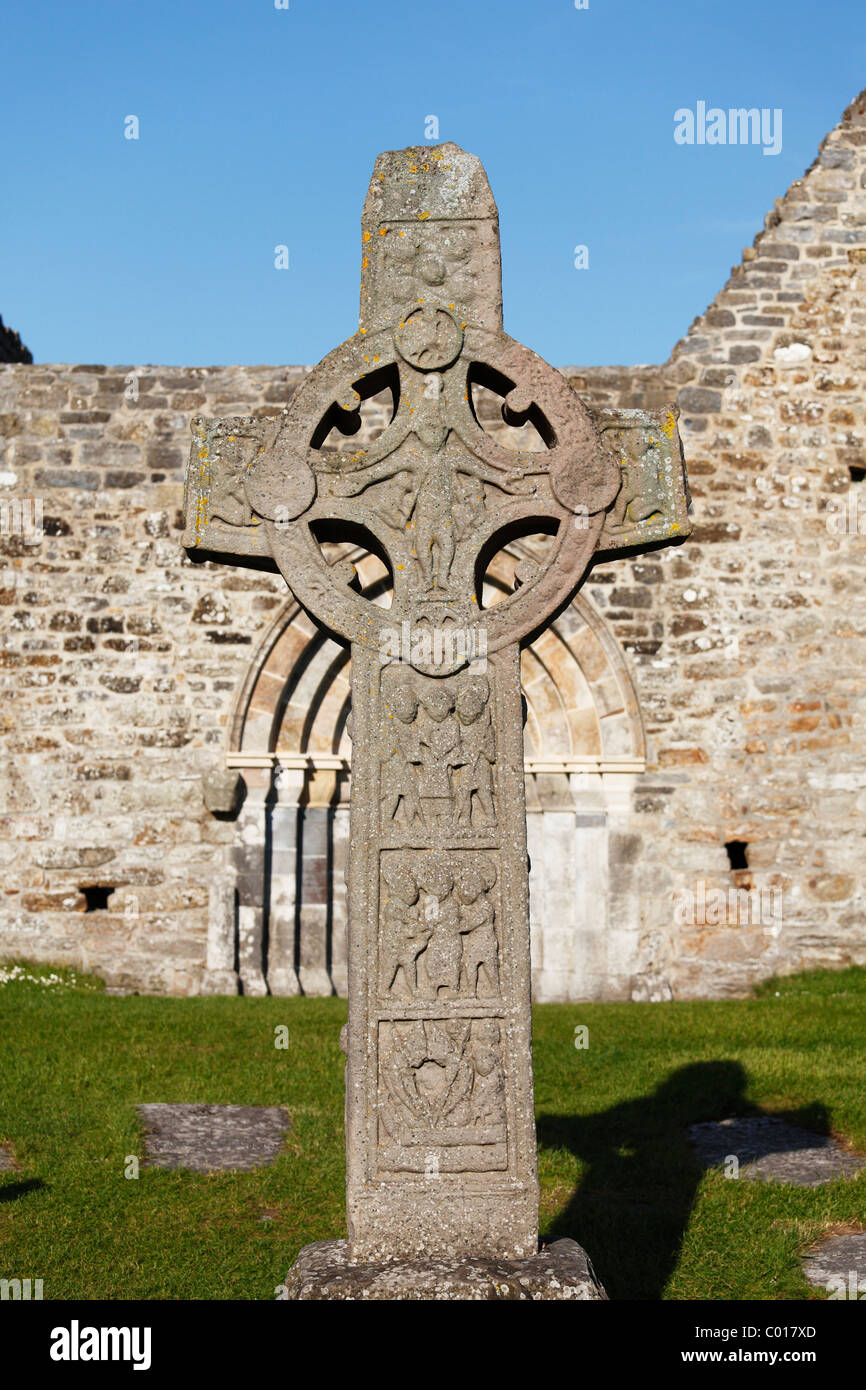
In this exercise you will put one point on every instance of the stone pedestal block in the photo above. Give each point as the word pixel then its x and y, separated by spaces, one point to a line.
pixel 561 1271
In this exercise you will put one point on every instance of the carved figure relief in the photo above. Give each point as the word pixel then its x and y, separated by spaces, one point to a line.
pixel 639 498
pixel 439 755
pixel 479 964
pixel 238 447
pixel 439 937
pixel 431 449
pixel 653 500
pixel 474 778
pixel 442 1087
pixel 404 933
pixel 400 778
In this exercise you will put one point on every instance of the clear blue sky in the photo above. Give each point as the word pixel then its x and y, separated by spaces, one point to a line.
pixel 259 127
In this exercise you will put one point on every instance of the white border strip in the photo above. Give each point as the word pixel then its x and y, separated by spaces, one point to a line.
pixel 329 762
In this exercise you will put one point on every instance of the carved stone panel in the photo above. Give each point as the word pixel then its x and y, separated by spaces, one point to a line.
pixel 439 926
pixel 441 975
pixel 439 754
pixel 652 504
pixel 442 1105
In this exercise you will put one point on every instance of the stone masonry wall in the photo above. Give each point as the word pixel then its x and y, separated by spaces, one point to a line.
pixel 750 640
pixel 120 659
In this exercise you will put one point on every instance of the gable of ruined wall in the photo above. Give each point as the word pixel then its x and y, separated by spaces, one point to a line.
pixel 749 640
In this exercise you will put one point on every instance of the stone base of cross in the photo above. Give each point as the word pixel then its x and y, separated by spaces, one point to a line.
pixel 440 1128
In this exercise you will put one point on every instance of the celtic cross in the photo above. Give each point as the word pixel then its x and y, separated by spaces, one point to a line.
pixel 439 1107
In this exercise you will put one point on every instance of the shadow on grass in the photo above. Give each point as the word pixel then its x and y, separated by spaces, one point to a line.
pixel 632 1206
pixel 13 1190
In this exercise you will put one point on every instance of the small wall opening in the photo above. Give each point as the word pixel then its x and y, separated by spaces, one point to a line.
pixel 857 472
pixel 737 853
pixel 96 896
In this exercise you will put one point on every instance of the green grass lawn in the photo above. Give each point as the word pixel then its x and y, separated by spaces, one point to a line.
pixel 616 1167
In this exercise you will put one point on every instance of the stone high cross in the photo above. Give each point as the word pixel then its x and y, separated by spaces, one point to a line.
pixel 439 1107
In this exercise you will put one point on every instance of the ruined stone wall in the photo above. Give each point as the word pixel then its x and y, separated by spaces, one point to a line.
pixel 750 640
pixel 120 663
pixel 121 660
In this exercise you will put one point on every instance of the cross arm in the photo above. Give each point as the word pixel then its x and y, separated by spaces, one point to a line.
pixel 653 503
pixel 651 507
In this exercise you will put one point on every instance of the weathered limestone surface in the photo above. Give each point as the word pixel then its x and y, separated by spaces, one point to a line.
pixel 122 662
pixel 838 1265
pixel 769 1150
pixel 209 1138
pixel 560 1272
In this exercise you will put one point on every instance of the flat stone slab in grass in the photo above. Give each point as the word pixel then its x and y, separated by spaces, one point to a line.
pixel 770 1150
pixel 7 1159
pixel 210 1138
pixel 562 1272
pixel 838 1258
